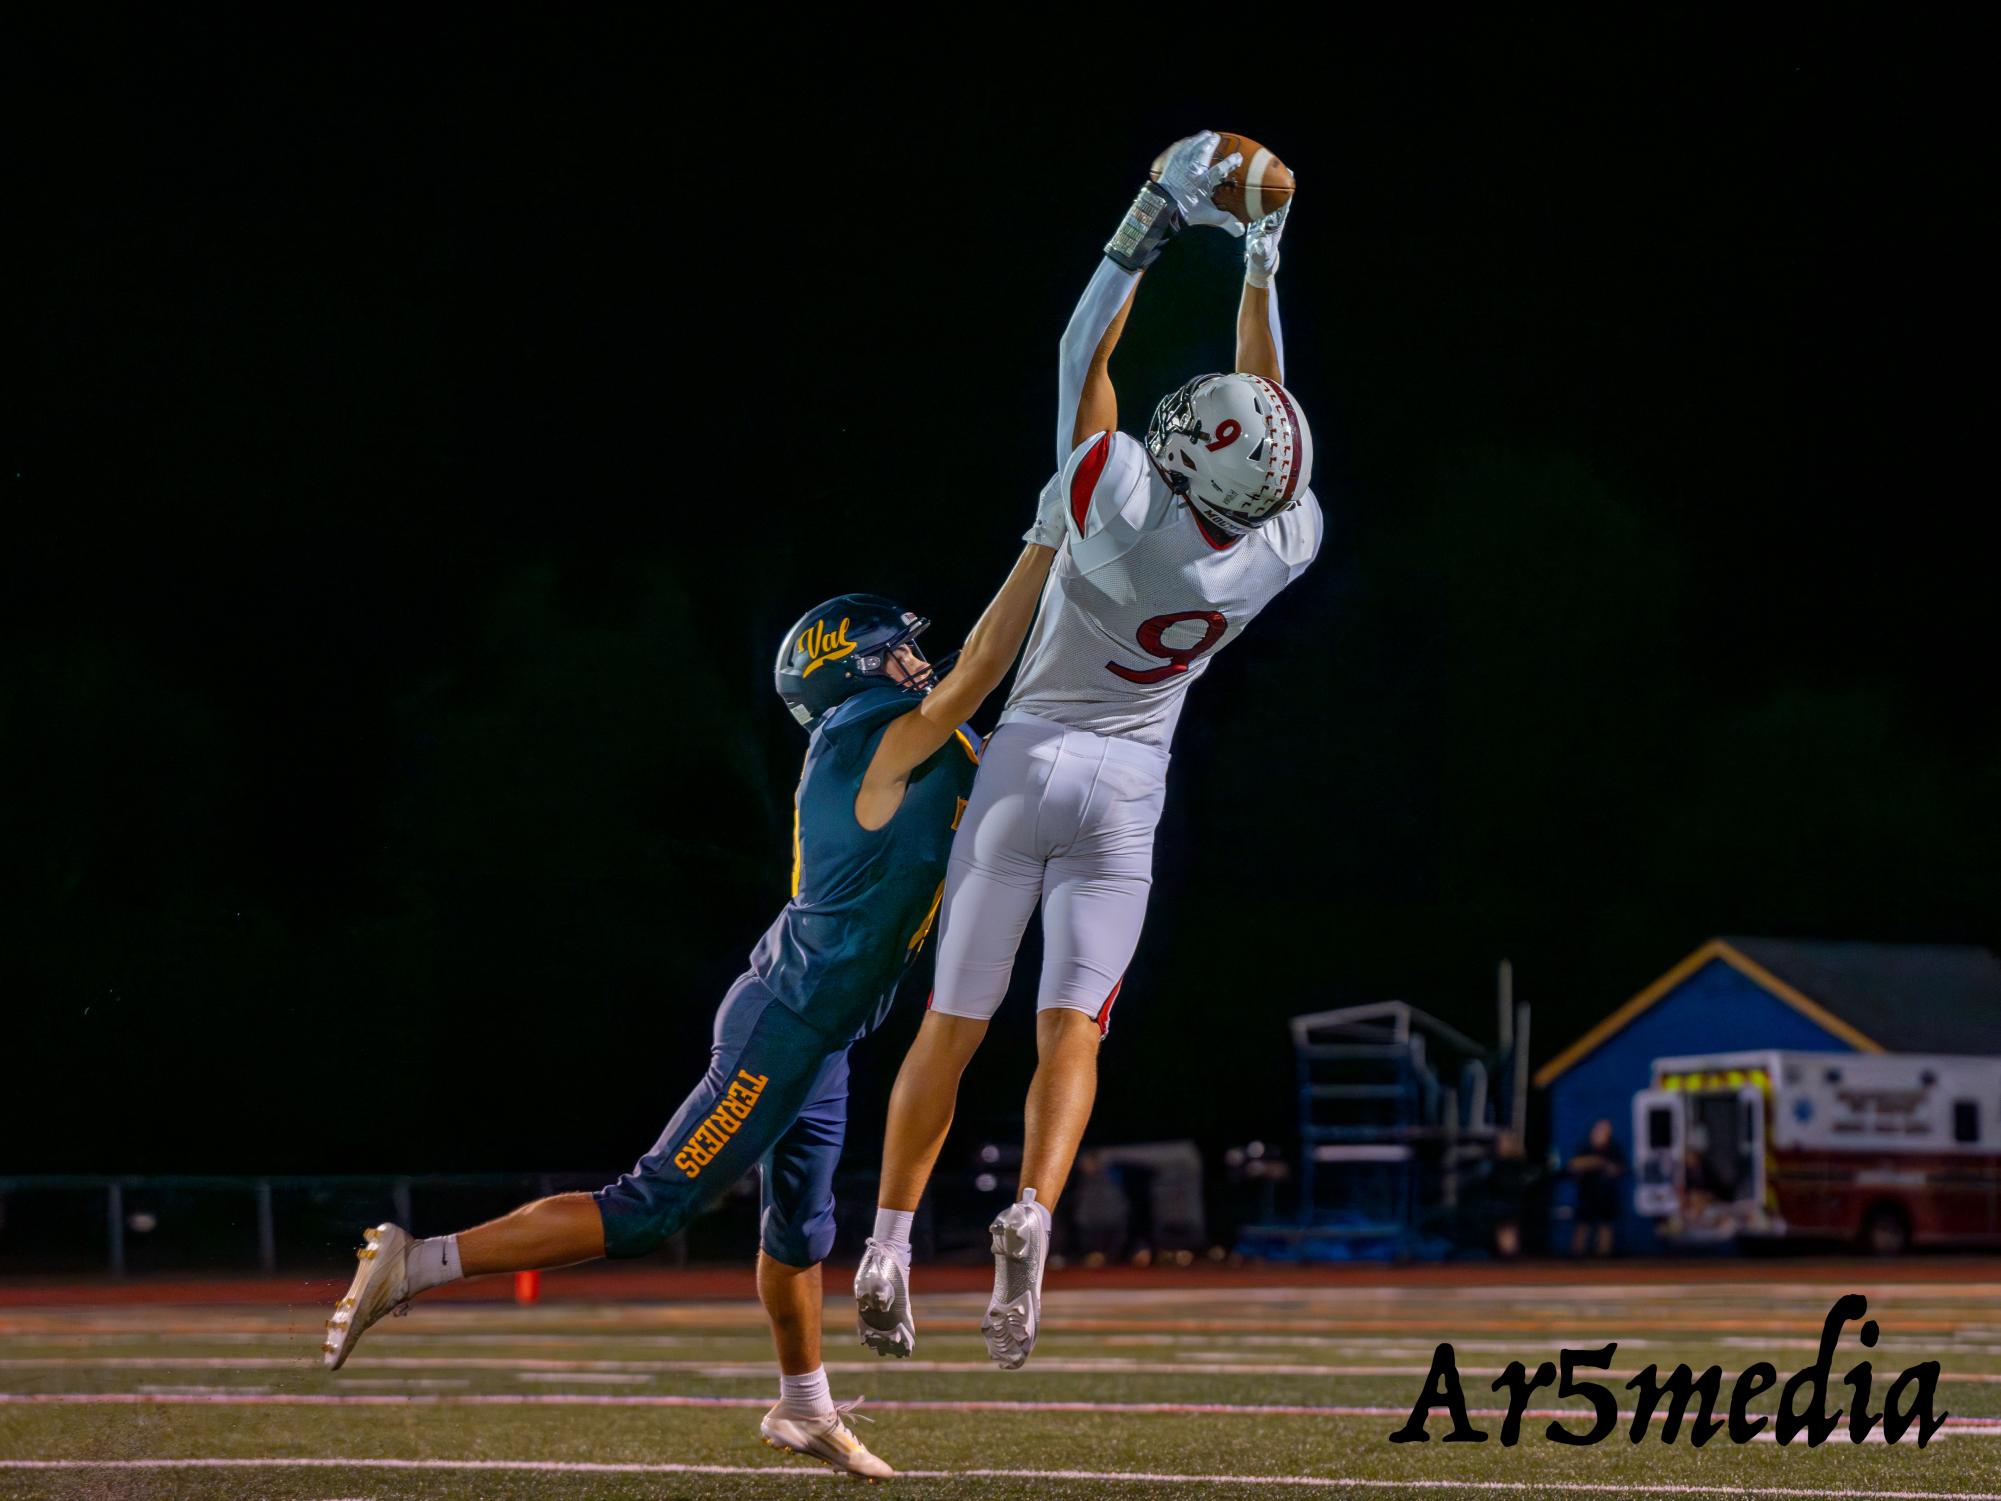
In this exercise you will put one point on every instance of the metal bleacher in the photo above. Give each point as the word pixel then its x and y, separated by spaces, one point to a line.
pixel 1394 1107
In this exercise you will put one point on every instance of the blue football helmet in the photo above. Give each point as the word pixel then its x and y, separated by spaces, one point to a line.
pixel 837 649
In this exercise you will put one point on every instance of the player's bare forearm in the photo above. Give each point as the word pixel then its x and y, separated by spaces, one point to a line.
pixel 1098 406
pixel 993 644
pixel 1257 351
pixel 983 661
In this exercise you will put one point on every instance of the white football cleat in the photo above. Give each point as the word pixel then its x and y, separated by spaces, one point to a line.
pixel 825 1437
pixel 1021 1246
pixel 882 1302
pixel 381 1285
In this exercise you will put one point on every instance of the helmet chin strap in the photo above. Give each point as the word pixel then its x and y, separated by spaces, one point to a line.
pixel 1178 483
pixel 922 681
pixel 1184 491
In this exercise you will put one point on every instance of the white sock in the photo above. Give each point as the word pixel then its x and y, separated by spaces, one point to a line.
pixel 892 1231
pixel 432 1263
pixel 807 1395
pixel 1028 1198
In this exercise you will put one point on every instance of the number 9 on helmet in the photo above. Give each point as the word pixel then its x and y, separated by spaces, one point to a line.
pixel 1236 447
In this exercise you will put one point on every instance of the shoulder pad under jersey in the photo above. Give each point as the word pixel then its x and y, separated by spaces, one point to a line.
pixel 1295 533
pixel 848 723
pixel 1104 474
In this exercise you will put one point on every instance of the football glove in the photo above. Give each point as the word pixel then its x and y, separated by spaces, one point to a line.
pixel 1188 180
pixel 1049 515
pixel 1261 246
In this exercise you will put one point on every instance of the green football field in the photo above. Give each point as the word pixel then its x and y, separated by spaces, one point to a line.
pixel 1133 1392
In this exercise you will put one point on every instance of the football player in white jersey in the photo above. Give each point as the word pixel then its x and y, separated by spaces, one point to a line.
pixel 1167 550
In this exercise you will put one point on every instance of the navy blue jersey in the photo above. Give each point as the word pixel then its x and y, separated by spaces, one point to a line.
pixel 863 900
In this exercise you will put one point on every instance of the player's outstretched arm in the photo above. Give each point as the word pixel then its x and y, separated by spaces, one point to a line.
pixel 983 661
pixel 1260 345
pixel 991 646
pixel 1085 400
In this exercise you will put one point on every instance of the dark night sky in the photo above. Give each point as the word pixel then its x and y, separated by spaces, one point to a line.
pixel 418 438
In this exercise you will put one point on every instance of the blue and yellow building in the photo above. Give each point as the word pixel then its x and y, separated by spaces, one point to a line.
pixel 1742 994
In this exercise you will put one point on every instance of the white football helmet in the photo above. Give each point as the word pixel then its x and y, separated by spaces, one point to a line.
pixel 1235 446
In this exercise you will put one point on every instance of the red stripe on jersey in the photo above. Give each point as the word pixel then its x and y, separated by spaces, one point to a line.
pixel 929 997
pixel 1291 478
pixel 1085 480
pixel 1105 1011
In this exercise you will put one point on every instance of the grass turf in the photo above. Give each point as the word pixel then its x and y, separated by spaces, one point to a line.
pixel 586 1384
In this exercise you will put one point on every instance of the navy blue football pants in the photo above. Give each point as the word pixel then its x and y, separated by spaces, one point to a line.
pixel 775 1097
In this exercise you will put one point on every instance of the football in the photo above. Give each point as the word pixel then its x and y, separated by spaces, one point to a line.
pixel 1259 185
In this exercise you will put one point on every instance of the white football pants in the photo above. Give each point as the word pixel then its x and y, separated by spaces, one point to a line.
pixel 1061 817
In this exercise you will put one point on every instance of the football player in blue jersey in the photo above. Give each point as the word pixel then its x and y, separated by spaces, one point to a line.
pixel 889 767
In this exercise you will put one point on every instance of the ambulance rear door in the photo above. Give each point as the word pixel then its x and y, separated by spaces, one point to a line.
pixel 1657 1152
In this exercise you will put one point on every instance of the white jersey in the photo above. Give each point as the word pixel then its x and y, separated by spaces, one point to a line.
pixel 1142 596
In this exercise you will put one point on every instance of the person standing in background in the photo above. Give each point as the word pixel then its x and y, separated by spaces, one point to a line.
pixel 1597 1168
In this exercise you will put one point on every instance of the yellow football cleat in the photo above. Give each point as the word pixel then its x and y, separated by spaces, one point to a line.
pixel 825 1437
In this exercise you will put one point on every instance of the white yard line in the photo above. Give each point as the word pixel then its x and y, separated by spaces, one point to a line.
pixel 793 1472
pixel 184 1390
pixel 264 1397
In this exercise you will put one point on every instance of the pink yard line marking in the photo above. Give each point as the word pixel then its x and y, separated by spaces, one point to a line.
pixel 791 1472
pixel 1058 1365
pixel 220 1398
pixel 1053 1366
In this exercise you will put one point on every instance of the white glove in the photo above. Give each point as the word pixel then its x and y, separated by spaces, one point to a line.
pixel 1050 515
pixel 1191 179
pixel 1261 246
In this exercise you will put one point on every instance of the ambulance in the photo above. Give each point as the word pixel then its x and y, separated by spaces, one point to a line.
pixel 1882 1150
